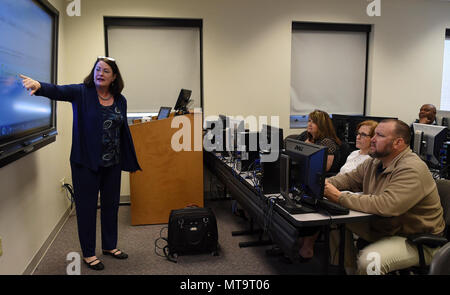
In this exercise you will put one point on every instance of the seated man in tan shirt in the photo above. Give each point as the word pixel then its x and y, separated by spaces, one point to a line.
pixel 398 187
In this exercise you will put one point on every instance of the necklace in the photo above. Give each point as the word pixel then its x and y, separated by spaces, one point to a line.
pixel 104 98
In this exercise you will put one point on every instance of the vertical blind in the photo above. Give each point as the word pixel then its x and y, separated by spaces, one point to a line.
pixel 156 61
pixel 328 70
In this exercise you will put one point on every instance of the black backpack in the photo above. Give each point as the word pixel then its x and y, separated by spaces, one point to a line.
pixel 192 230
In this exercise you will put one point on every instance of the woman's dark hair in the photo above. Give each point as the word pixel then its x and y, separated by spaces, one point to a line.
pixel 116 86
pixel 325 126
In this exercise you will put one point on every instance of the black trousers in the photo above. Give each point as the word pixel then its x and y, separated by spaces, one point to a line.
pixel 87 184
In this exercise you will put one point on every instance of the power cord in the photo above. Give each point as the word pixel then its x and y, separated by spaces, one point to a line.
pixel 69 188
pixel 268 214
pixel 159 239
pixel 165 248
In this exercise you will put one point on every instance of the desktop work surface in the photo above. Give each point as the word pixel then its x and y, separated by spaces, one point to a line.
pixel 283 228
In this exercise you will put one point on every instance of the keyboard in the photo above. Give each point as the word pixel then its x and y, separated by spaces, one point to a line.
pixel 332 208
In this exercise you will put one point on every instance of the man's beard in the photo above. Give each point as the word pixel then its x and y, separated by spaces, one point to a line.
pixel 381 154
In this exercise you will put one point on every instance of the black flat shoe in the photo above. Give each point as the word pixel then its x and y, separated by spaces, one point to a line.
pixel 121 255
pixel 97 266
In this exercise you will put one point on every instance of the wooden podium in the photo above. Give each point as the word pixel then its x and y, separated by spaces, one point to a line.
pixel 169 179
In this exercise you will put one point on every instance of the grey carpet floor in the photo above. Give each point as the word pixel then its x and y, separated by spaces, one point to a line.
pixel 139 243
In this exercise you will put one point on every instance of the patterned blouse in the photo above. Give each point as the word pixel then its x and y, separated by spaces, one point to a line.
pixel 112 123
pixel 328 142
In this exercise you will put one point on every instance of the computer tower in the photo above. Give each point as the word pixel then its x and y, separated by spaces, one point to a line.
pixel 270 180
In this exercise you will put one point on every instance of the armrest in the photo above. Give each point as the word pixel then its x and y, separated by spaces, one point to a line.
pixel 429 240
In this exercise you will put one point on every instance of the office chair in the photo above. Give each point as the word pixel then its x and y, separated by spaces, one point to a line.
pixel 420 240
pixel 429 240
pixel 293 136
pixel 343 152
pixel 440 265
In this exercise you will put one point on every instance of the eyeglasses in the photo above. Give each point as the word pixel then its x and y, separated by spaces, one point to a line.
pixel 362 134
pixel 106 57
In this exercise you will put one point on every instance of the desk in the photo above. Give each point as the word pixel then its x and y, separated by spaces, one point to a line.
pixel 282 227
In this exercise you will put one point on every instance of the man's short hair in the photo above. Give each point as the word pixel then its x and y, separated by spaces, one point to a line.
pixel 401 129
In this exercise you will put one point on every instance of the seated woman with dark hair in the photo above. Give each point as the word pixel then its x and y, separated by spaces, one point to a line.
pixel 320 131
pixel 365 131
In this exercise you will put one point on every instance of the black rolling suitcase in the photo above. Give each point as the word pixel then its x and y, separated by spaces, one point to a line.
pixel 192 230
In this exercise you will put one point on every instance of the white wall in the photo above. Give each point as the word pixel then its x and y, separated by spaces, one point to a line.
pixel 246 62
pixel 31 202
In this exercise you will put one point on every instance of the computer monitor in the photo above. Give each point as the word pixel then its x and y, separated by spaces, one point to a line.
pixel 443 118
pixel 182 101
pixel 164 112
pixel 428 142
pixel 271 143
pixel 218 135
pixel 345 126
pixel 272 138
pixel 307 167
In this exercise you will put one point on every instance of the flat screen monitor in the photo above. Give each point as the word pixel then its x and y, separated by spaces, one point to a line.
pixel 345 126
pixel 306 175
pixel 271 143
pixel 28 46
pixel 183 100
pixel 164 112
pixel 217 134
pixel 443 118
pixel 273 137
pixel 428 142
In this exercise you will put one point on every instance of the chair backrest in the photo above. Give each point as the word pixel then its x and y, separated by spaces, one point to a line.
pixel 293 136
pixel 440 265
pixel 443 186
pixel 343 153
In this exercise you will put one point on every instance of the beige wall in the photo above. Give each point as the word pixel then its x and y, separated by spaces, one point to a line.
pixel 246 62
pixel 247 44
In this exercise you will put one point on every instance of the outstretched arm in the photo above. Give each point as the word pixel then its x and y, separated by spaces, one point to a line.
pixel 55 92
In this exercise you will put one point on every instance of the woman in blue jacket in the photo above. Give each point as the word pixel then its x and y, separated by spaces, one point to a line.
pixel 102 147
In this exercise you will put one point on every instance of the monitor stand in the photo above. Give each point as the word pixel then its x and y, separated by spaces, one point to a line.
pixel 293 207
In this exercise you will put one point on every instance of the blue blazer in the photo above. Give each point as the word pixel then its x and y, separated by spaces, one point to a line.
pixel 87 125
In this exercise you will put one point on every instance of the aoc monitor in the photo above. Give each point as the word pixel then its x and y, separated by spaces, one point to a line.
pixel 428 142
pixel 443 118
